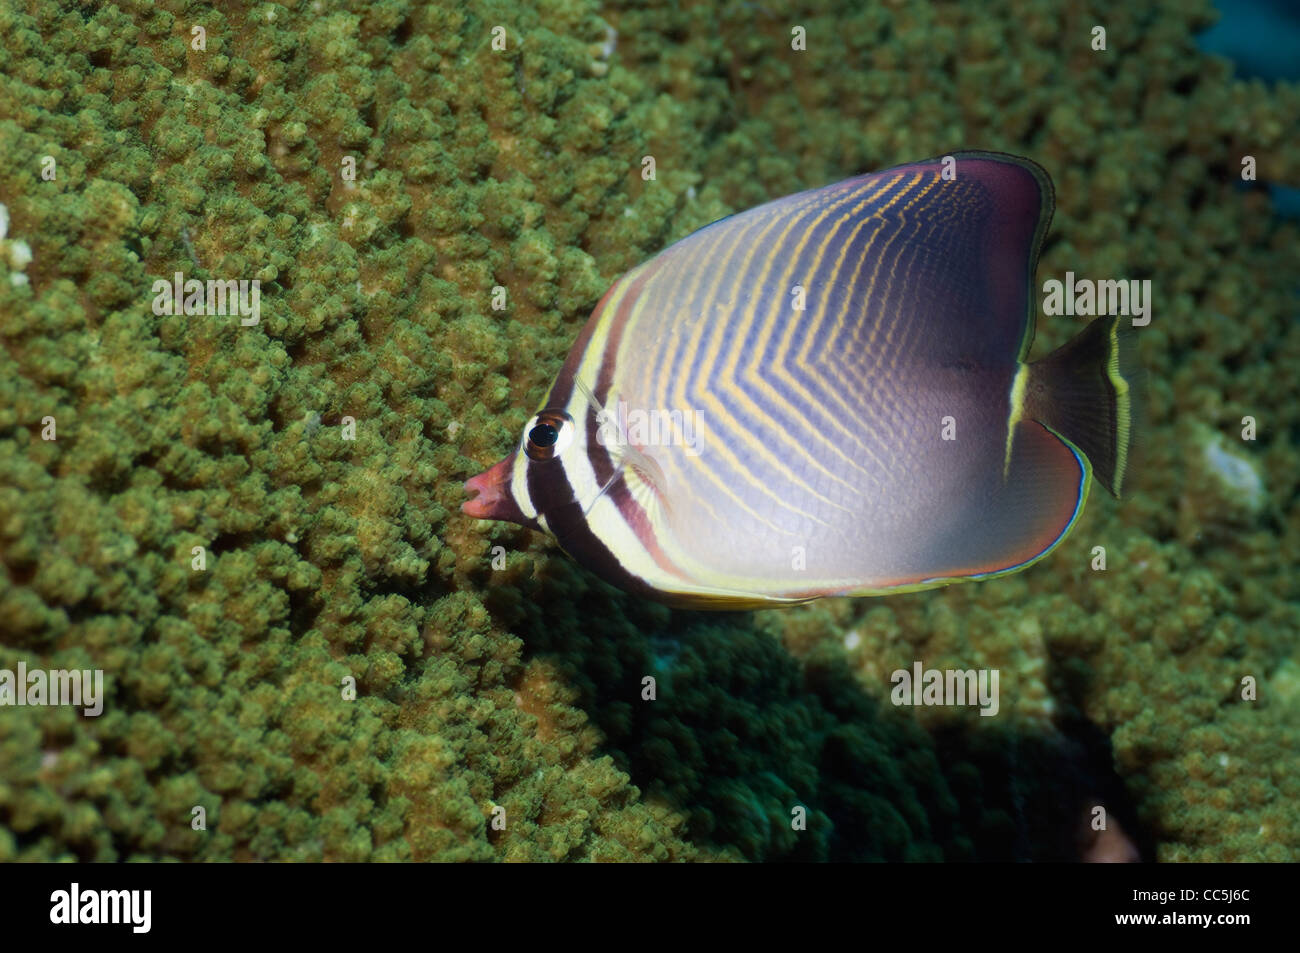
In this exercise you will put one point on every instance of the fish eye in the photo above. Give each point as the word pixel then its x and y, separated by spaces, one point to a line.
pixel 543 435
pixel 548 434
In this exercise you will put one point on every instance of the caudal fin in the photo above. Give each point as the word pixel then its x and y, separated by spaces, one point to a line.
pixel 1087 392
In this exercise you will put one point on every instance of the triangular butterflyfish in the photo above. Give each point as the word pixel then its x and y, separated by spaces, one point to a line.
pixel 829 394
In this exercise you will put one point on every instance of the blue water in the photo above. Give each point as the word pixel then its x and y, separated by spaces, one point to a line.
pixel 1262 37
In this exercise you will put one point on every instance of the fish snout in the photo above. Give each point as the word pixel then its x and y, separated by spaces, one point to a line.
pixel 491 498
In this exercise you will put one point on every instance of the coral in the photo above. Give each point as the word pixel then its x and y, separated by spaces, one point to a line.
pixel 326 558
pixel 505 682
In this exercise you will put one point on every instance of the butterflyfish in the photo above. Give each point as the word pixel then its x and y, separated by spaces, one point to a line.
pixel 829 394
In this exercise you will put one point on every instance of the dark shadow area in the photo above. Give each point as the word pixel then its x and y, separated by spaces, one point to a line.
pixel 740 734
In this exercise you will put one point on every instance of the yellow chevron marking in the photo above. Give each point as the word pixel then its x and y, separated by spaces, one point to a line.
pixel 833 394
pixel 911 330
pixel 730 427
pixel 820 372
pixel 742 331
pixel 777 305
pixel 672 293
pixel 871 354
pixel 681 378
pixel 895 236
pixel 897 350
pixel 869 255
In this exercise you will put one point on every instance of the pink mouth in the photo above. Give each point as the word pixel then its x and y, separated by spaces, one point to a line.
pixel 493 500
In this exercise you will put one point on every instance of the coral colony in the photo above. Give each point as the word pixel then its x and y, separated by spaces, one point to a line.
pixel 276 280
